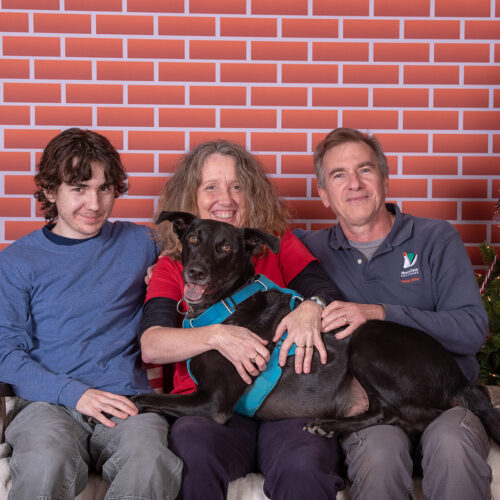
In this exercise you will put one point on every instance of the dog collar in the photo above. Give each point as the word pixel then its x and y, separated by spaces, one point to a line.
pixel 220 311
pixel 265 382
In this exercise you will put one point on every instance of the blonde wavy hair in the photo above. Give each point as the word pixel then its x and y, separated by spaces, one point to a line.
pixel 264 209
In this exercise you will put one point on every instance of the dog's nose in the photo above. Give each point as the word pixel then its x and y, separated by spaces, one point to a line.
pixel 196 274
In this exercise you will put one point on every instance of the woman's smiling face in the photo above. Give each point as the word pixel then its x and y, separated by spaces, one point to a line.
pixel 219 195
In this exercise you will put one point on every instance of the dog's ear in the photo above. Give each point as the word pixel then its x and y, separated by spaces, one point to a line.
pixel 180 220
pixel 255 237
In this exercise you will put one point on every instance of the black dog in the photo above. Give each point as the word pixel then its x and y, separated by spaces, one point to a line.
pixel 406 377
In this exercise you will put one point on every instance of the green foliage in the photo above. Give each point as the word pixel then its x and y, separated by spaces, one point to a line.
pixel 489 355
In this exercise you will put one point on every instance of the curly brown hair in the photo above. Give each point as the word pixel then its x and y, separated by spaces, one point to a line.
pixel 69 157
pixel 264 209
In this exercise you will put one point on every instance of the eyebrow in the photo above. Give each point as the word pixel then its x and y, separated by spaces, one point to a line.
pixel 359 165
pixel 83 184
pixel 217 181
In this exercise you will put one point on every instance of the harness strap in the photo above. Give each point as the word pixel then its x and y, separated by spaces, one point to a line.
pixel 220 311
pixel 265 382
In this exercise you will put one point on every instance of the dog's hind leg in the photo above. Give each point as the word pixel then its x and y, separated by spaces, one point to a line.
pixel 358 399
pixel 330 427
pixel 413 420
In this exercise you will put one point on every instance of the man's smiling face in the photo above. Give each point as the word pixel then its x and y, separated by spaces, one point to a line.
pixel 354 186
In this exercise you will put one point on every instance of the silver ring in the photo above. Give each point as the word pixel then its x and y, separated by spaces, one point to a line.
pixel 300 347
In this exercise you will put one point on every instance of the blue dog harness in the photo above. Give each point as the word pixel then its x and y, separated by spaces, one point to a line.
pixel 255 395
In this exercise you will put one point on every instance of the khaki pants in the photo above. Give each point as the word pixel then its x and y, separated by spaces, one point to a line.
pixel 453 451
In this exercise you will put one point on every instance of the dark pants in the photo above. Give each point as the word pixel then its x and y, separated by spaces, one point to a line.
pixel 294 463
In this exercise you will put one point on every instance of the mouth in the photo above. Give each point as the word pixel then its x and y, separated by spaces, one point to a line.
pixel 224 214
pixel 90 219
pixel 357 199
pixel 194 293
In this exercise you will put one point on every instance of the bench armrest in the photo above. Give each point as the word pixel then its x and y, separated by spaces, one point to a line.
pixel 5 391
pixel 494 392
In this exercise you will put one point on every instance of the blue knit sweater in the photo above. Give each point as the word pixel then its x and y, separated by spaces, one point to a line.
pixel 69 314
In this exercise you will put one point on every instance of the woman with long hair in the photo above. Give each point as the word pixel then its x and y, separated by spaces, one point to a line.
pixel 223 181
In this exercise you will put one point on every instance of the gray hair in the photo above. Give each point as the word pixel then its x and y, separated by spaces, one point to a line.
pixel 342 136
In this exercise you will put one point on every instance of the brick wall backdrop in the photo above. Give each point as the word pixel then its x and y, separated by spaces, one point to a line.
pixel 159 76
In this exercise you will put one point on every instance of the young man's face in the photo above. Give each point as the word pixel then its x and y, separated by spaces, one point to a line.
pixel 83 208
pixel 354 186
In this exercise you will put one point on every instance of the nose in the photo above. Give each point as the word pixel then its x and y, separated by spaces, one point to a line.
pixel 92 201
pixel 196 273
pixel 353 180
pixel 225 196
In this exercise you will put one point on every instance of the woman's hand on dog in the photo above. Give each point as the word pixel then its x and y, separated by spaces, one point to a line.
pixel 304 330
pixel 338 314
pixel 97 404
pixel 246 350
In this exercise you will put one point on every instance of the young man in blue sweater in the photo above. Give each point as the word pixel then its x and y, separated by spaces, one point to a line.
pixel 71 300
pixel 412 271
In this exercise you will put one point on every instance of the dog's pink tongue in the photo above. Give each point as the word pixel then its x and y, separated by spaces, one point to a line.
pixel 193 292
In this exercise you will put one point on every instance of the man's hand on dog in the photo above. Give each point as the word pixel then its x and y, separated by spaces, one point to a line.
pixel 95 403
pixel 246 350
pixel 304 330
pixel 349 314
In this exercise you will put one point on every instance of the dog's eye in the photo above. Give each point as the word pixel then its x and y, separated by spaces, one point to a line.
pixel 193 239
pixel 226 247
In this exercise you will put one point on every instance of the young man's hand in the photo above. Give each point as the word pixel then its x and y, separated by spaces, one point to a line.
pixel 95 403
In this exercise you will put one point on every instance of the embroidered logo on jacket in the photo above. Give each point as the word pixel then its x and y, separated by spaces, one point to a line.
pixel 410 271
pixel 410 259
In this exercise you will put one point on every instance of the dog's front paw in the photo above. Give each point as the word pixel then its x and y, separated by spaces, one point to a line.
pixel 319 428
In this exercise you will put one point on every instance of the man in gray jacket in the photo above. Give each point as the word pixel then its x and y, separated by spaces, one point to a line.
pixel 412 271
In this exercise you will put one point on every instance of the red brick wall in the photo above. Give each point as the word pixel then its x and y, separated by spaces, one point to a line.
pixel 159 76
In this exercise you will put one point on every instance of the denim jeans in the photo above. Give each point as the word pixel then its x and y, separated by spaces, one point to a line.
pixel 54 448
pixel 452 452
